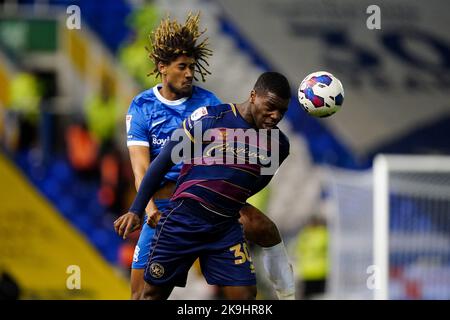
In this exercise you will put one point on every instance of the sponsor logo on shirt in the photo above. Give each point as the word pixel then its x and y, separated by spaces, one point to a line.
pixel 159 141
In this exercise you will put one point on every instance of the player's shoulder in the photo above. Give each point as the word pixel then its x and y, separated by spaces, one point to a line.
pixel 283 139
pixel 199 93
pixel 144 99
pixel 208 115
pixel 206 111
pixel 218 111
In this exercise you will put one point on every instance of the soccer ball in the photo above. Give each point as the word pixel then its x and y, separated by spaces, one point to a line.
pixel 321 94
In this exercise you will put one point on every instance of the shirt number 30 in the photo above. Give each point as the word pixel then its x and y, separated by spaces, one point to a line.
pixel 242 257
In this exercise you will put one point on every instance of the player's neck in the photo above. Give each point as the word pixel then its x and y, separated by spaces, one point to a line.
pixel 169 94
pixel 244 111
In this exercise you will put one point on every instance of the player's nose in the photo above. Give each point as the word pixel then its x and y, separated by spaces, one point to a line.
pixel 276 116
pixel 189 74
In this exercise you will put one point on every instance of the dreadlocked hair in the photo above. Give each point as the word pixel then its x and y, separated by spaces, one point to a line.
pixel 171 39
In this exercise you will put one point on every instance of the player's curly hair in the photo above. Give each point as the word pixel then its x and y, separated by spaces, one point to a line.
pixel 171 39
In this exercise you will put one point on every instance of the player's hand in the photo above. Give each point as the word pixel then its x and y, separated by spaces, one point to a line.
pixel 153 218
pixel 126 224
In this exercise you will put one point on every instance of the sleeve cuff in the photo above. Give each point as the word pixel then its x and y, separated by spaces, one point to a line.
pixel 138 143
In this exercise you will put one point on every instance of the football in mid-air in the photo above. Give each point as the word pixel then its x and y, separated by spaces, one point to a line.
pixel 321 94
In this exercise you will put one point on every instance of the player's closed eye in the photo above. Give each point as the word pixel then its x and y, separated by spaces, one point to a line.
pixel 271 108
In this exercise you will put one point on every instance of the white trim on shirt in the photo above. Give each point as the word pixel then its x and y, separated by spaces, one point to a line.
pixel 164 100
pixel 138 143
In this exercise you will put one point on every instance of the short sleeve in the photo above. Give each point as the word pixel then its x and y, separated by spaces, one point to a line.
pixel 137 126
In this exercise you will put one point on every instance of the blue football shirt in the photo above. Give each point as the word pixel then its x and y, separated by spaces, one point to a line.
pixel 151 119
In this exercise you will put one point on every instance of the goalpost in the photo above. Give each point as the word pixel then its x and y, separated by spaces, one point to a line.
pixel 390 229
pixel 416 179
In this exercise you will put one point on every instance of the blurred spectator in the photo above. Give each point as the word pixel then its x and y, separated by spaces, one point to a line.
pixel 312 258
pixel 113 182
pixel 82 149
pixel 102 112
pixel 132 55
pixel 22 113
pixel 126 251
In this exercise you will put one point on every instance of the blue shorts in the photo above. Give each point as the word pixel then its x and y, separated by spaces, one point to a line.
pixel 188 231
pixel 142 249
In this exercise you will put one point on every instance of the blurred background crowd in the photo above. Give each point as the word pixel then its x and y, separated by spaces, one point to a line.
pixel 66 174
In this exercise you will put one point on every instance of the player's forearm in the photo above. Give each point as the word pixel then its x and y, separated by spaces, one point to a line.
pixel 153 178
pixel 139 175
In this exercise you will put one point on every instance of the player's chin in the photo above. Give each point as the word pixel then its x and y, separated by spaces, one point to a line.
pixel 186 90
pixel 268 126
pixel 187 85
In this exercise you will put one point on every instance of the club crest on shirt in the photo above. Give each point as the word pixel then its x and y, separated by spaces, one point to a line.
pixel 200 112
pixel 156 270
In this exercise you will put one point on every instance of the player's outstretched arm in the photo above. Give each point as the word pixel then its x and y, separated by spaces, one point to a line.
pixel 140 161
pixel 131 220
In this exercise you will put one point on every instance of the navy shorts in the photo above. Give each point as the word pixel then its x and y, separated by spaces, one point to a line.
pixel 142 249
pixel 187 231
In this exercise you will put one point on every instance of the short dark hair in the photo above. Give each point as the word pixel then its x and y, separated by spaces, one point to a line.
pixel 273 82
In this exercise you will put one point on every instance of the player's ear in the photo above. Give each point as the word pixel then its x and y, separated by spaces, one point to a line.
pixel 162 68
pixel 252 96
